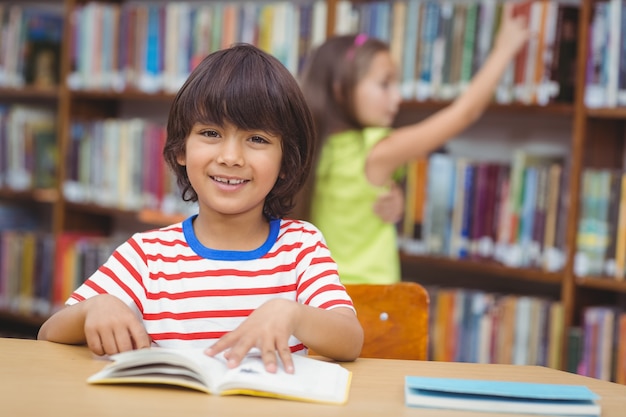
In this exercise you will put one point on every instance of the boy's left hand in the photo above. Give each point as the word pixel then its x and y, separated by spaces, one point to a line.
pixel 268 328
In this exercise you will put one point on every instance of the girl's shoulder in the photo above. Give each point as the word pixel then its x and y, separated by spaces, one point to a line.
pixel 365 138
pixel 373 135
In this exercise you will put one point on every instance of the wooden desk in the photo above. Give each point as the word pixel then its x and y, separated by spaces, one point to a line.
pixel 47 379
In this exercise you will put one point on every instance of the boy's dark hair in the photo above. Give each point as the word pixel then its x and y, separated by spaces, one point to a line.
pixel 250 89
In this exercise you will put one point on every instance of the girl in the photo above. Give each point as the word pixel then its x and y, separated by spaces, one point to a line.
pixel 236 276
pixel 350 83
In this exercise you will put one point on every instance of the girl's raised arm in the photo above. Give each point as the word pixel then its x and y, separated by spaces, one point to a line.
pixel 410 142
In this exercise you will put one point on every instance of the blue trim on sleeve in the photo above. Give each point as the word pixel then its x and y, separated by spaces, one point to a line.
pixel 229 255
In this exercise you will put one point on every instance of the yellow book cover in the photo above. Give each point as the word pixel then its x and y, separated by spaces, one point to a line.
pixel 552 209
pixel 314 380
pixel 27 279
pixel 266 19
pixel 620 249
pixel 443 311
pixel 555 341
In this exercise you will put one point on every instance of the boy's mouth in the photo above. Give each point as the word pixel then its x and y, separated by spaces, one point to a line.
pixel 229 181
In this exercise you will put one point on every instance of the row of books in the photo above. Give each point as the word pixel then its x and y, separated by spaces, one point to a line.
pixel 601 234
pixel 605 85
pixel 38 271
pixel 476 326
pixel 30 45
pixel 602 347
pixel 465 209
pixel 441 44
pixel 28 147
pixel 153 46
pixel 141 179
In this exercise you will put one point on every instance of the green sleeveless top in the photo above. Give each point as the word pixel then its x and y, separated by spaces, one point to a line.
pixel 364 247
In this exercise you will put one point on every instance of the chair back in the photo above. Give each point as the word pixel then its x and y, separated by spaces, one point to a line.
pixel 394 319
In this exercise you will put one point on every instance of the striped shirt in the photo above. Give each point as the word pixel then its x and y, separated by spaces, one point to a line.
pixel 189 295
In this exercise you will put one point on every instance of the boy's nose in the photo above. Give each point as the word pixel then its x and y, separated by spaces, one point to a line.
pixel 231 153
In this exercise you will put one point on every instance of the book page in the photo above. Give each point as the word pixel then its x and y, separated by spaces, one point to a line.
pixel 183 367
pixel 313 380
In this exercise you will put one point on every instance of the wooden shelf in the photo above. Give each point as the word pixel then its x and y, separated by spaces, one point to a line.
pixel 98 209
pixel 39 195
pixel 607 113
pixel 138 95
pixel 26 319
pixel 563 109
pixel 415 262
pixel 602 283
pixel 158 218
pixel 29 93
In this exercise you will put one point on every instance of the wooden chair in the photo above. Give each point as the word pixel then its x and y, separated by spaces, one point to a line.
pixel 394 318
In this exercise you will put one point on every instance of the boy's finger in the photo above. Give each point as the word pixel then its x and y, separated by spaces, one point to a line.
pixel 269 359
pixel 109 344
pixel 285 357
pixel 123 340
pixel 94 343
pixel 139 336
pixel 218 346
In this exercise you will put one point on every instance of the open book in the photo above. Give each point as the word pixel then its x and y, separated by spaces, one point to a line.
pixel 313 380
pixel 501 396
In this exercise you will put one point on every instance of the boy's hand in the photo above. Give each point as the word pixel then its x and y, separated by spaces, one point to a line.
pixel 390 205
pixel 268 328
pixel 112 327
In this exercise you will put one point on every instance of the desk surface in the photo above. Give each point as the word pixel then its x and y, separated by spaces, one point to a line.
pixel 48 379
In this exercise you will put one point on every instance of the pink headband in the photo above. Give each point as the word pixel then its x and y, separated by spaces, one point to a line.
pixel 359 40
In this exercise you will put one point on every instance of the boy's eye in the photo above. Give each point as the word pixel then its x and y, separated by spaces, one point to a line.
pixel 258 139
pixel 209 133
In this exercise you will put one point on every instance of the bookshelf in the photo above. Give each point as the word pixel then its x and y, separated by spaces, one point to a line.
pixel 595 139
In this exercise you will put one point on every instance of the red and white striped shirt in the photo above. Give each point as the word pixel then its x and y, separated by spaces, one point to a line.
pixel 189 295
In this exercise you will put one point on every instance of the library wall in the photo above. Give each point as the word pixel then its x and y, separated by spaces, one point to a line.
pixel 56 101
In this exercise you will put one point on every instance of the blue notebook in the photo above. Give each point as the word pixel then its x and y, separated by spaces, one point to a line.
pixel 500 396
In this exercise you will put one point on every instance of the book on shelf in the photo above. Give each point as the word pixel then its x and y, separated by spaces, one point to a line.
pixel 563 69
pixel 313 380
pixel 42 47
pixel 592 238
pixel 620 362
pixel 600 330
pixel 501 396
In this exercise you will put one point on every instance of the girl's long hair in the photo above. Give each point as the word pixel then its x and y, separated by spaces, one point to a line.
pixel 328 81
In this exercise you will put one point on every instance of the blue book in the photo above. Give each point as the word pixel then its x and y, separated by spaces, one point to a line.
pixel 500 396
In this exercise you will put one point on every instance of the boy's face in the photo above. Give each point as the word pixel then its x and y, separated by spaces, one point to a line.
pixel 377 95
pixel 231 170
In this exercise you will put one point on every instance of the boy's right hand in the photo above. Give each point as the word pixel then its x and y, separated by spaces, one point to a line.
pixel 112 327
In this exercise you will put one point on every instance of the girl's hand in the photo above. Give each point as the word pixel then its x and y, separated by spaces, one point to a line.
pixel 268 328
pixel 513 32
pixel 390 205
pixel 112 327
